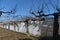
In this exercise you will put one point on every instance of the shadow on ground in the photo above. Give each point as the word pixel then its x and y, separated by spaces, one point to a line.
pixel 26 39
pixel 48 38
pixel 45 38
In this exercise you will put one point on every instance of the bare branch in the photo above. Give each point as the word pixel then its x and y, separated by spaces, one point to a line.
pixel 47 6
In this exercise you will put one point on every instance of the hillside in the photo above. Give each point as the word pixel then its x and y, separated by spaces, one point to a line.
pixel 6 34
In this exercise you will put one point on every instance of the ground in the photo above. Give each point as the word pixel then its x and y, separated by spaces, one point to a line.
pixel 11 35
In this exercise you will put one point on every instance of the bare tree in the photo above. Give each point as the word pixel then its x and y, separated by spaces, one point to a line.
pixel 9 12
pixel 56 16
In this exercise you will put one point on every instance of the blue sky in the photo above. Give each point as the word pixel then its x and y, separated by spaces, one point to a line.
pixel 24 6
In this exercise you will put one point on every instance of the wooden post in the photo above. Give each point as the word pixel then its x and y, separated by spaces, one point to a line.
pixel 14 27
pixel 18 28
pixel 3 26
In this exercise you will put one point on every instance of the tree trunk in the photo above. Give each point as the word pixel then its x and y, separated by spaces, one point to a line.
pixel 55 26
pixel 27 31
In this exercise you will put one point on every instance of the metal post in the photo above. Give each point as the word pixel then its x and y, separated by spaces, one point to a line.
pixel 9 26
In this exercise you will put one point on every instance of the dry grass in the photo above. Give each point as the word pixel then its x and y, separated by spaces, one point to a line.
pixel 6 34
